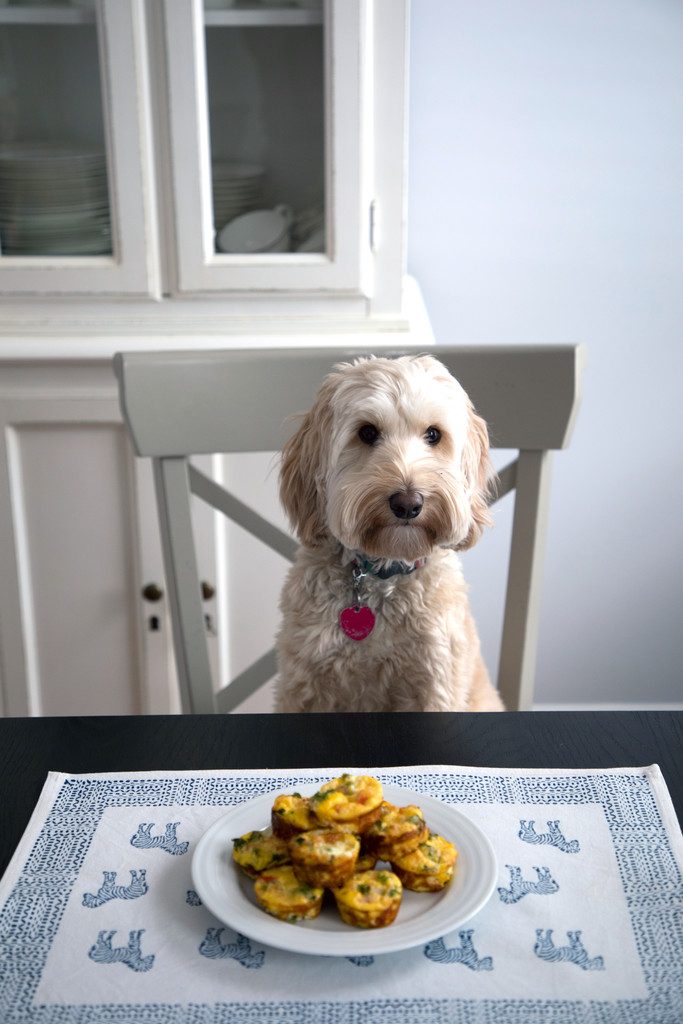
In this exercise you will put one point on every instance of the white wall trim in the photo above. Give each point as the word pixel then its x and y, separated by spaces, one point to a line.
pixel 626 706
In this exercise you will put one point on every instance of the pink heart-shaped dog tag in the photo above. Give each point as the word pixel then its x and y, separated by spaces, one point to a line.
pixel 357 623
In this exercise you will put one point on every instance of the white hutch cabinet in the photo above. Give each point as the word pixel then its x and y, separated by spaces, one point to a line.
pixel 173 174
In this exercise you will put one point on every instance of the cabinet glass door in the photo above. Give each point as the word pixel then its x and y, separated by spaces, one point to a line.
pixel 54 198
pixel 265 86
pixel 268 192
pixel 59 135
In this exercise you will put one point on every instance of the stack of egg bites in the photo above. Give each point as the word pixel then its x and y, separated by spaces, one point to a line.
pixel 334 840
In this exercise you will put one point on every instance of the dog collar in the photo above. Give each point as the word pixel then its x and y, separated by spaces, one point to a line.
pixel 375 567
pixel 357 621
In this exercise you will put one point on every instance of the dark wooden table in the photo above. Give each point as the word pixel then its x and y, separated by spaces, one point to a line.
pixel 30 747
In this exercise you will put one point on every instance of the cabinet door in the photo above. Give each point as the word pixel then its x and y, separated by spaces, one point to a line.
pixel 269 144
pixel 84 618
pixel 78 541
pixel 74 185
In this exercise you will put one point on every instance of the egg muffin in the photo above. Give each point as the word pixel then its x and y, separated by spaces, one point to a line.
pixel 428 868
pixel 398 831
pixel 256 851
pixel 355 826
pixel 291 814
pixel 369 899
pixel 347 799
pixel 324 857
pixel 283 895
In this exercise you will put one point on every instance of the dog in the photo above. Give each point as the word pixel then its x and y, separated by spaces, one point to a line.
pixel 385 480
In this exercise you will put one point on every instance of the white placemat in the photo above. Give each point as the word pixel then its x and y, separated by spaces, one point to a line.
pixel 99 920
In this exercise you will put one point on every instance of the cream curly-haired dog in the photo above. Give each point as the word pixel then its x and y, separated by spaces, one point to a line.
pixel 384 481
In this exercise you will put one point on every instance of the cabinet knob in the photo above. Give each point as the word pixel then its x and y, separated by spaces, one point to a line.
pixel 152 592
pixel 207 591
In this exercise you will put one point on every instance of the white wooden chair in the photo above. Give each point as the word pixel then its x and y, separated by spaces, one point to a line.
pixel 179 404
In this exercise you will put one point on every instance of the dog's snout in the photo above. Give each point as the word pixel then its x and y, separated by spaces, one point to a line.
pixel 406 504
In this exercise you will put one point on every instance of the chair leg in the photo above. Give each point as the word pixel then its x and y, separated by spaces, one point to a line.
pixel 520 628
pixel 182 580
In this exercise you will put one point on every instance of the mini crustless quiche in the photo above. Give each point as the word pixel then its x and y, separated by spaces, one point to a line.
pixel 356 826
pixel 291 814
pixel 346 799
pixel 397 831
pixel 324 857
pixel 369 899
pixel 429 867
pixel 283 895
pixel 257 851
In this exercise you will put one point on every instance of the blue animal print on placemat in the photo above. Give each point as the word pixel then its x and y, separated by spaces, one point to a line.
pixel 192 898
pixel 574 953
pixel 519 887
pixel 110 891
pixel 361 961
pixel 103 952
pixel 214 948
pixel 144 840
pixel 464 954
pixel 553 837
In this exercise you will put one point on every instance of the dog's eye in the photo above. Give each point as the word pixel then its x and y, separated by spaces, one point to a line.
pixel 432 435
pixel 368 434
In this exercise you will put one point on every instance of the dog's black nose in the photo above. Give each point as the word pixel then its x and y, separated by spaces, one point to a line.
pixel 406 504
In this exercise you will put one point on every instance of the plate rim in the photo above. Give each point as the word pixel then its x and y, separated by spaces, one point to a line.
pixel 360 941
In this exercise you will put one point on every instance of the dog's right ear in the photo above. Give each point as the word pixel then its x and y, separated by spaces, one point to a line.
pixel 303 471
pixel 479 474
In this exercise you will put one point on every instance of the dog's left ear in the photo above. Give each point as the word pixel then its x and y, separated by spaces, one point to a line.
pixel 479 475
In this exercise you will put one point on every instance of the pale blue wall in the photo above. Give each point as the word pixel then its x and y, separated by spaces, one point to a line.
pixel 546 205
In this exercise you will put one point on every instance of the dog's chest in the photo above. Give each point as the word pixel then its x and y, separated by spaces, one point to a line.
pixel 386 615
pixel 405 612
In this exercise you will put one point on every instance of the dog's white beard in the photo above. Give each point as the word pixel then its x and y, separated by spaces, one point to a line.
pixel 361 519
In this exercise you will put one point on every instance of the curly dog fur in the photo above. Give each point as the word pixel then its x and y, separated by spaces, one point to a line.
pixel 388 472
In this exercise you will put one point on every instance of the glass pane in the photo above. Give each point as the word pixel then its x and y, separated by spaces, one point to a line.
pixel 265 70
pixel 54 198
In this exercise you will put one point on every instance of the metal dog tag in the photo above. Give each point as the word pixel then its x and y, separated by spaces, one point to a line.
pixel 357 622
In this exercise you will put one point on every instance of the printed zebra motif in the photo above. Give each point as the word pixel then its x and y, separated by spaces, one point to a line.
pixel 553 837
pixel 212 947
pixel 103 952
pixel 520 887
pixel 110 891
pixel 464 954
pixel 192 899
pixel 361 961
pixel 144 840
pixel 574 953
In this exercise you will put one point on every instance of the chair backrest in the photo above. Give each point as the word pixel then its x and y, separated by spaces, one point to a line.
pixel 179 404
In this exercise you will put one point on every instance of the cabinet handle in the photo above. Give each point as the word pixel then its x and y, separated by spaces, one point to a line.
pixel 152 592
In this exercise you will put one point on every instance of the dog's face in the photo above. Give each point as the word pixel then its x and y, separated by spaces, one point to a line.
pixel 391 461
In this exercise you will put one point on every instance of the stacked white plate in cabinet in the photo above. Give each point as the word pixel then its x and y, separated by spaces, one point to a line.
pixel 53 200
pixel 237 188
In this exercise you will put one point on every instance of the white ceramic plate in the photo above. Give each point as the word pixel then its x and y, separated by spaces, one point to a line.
pixel 228 893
